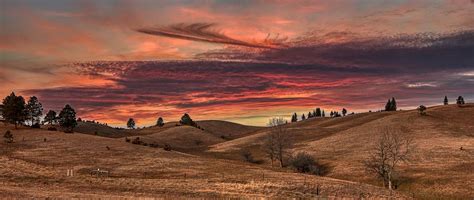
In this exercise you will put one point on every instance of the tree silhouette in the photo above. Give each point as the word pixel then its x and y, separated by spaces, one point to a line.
pixel 460 100
pixel 131 123
pixel 445 102
pixel 303 117
pixel 186 120
pixel 344 112
pixel 318 112
pixel 14 109
pixel 160 122
pixel 34 110
pixel 67 118
pixel 50 117
pixel 421 109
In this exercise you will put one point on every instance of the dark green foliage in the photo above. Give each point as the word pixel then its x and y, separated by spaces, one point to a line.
pixel 318 112
pixel 445 102
pixel 34 110
pixel 14 109
pixel 8 137
pixel 460 100
pixel 131 123
pixel 51 117
pixel 186 120
pixel 391 105
pixel 294 118
pixel 305 163
pixel 67 118
pixel 344 112
pixel 160 122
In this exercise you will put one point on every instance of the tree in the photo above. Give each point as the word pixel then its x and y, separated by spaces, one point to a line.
pixel 34 110
pixel 303 117
pixel 445 102
pixel 388 105
pixel 460 100
pixel 332 114
pixel 318 112
pixel 14 109
pixel 393 105
pixel 186 120
pixel 323 114
pixel 8 137
pixel 294 118
pixel 421 109
pixel 67 118
pixel 160 122
pixel 131 123
pixel 392 148
pixel 344 112
pixel 310 115
pixel 50 117
pixel 278 141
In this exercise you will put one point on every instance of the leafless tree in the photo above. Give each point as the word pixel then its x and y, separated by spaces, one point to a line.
pixel 278 141
pixel 392 148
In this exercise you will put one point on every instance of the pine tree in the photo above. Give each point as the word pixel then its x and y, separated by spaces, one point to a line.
pixel 388 105
pixel 131 123
pixel 445 102
pixel 160 122
pixel 393 106
pixel 50 117
pixel 294 118
pixel 310 115
pixel 344 112
pixel 186 120
pixel 14 109
pixel 303 117
pixel 332 114
pixel 34 110
pixel 67 118
pixel 460 100
pixel 318 112
pixel 323 114
pixel 314 113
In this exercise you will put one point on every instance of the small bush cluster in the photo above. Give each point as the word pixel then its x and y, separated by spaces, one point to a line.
pixel 36 125
pixel 8 136
pixel 139 142
pixel 52 129
pixel 167 147
pixel 305 163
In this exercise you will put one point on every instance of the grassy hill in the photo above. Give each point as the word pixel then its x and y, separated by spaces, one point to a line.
pixel 35 165
pixel 439 169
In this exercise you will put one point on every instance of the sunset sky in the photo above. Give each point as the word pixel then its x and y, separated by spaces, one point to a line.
pixel 235 60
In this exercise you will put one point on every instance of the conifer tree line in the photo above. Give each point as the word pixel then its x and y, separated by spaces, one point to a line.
pixel 391 105
pixel 318 112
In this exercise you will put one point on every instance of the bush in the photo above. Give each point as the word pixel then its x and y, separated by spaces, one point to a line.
pixel 52 129
pixel 198 142
pixel 127 139
pixel 36 125
pixel 167 147
pixel 247 155
pixel 136 141
pixel 8 137
pixel 305 163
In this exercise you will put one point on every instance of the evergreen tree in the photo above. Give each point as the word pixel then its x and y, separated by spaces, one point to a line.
pixel 14 109
pixel 310 115
pixel 34 110
pixel 318 112
pixel 67 118
pixel 393 105
pixel 460 100
pixel 332 114
pixel 344 112
pixel 186 120
pixel 388 105
pixel 160 122
pixel 50 117
pixel 294 118
pixel 131 123
pixel 303 117
pixel 314 113
pixel 323 114
pixel 445 102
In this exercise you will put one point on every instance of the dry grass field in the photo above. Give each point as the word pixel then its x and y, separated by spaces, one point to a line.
pixel 36 164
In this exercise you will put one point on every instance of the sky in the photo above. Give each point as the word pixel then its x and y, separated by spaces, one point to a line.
pixel 236 60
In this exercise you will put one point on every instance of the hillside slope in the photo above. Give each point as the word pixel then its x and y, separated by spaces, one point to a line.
pixel 438 168
pixel 35 166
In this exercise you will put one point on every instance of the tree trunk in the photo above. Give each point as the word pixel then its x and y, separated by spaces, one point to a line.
pixel 389 180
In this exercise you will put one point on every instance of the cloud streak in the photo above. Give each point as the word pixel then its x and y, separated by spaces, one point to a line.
pixel 206 32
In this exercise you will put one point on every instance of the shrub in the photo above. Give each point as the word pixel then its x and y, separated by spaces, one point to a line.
pixel 127 139
pixel 36 125
pixel 247 155
pixel 167 147
pixel 52 129
pixel 8 137
pixel 198 142
pixel 305 163
pixel 136 141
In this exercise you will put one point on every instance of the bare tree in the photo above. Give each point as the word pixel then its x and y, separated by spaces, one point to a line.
pixel 392 148
pixel 277 142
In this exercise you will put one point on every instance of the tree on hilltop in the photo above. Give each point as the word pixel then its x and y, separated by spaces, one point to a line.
pixel 50 117
pixel 34 110
pixel 344 112
pixel 131 123
pixel 460 100
pixel 67 118
pixel 160 122
pixel 186 120
pixel 14 109
pixel 445 102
